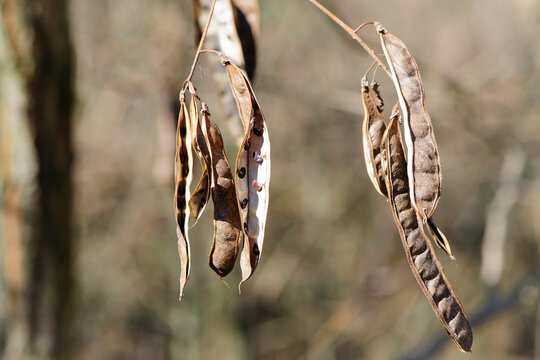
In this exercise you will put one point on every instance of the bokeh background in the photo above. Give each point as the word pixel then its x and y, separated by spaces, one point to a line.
pixel 333 281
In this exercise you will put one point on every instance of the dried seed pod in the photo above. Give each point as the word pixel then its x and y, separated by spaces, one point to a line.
pixel 420 255
pixel 183 164
pixel 372 132
pixel 227 225
pixel 199 198
pixel 438 237
pixel 222 34
pixel 233 30
pixel 252 169
pixel 424 168
pixel 247 26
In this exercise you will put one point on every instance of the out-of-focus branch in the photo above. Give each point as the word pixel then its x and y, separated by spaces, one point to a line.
pixel 497 217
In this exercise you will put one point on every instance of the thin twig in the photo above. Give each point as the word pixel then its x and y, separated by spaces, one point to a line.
pixel 352 33
pixel 211 51
pixel 203 37
pixel 364 24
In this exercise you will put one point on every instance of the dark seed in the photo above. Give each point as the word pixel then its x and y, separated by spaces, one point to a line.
pixel 245 228
pixel 242 172
pixel 183 131
pixel 258 132
pixel 244 203
pixel 246 146
pixel 182 158
pixel 256 250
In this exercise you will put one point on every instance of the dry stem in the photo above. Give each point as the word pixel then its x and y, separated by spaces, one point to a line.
pixel 352 33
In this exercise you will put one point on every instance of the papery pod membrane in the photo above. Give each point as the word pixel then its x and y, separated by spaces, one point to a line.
pixel 199 198
pixel 439 238
pixel 372 131
pixel 183 164
pixel 422 260
pixel 380 103
pixel 395 116
pixel 424 168
pixel 252 170
pixel 227 225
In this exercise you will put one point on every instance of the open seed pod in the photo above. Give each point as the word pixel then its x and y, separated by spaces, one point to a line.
pixel 372 131
pixel 199 198
pixel 252 169
pixel 183 164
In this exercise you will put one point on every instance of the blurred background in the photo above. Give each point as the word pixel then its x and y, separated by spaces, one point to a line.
pixel 333 281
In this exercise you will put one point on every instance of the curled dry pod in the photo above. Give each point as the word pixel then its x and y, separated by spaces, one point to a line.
pixel 420 255
pixel 372 132
pixel 424 168
pixel 227 226
pixel 252 170
pixel 183 164
pixel 199 198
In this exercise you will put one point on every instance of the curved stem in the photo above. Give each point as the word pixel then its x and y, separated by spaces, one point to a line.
pixel 352 33
pixel 203 37
pixel 364 24
pixel 211 51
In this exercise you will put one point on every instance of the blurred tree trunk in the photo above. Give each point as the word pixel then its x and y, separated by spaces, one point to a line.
pixel 39 36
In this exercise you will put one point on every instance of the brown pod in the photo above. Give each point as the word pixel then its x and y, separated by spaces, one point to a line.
pixel 199 198
pixel 241 90
pixel 183 164
pixel 424 168
pixel 422 260
pixel 227 226
pixel 253 167
pixel 372 132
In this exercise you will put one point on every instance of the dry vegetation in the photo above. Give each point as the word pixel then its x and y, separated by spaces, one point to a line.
pixel 333 282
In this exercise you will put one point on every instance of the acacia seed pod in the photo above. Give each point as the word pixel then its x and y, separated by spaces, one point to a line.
pixel 422 260
pixel 372 131
pixel 252 170
pixel 424 168
pixel 199 198
pixel 182 180
pixel 227 226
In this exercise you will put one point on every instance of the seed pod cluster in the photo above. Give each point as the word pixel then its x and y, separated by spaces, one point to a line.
pixel 240 201
pixel 411 181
